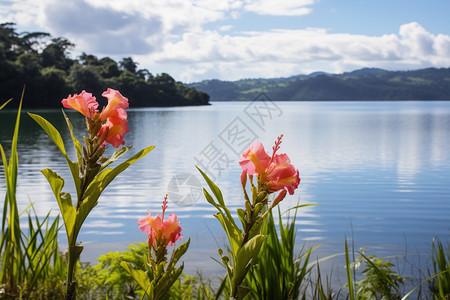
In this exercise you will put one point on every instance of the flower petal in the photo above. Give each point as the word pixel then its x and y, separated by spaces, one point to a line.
pixel 84 102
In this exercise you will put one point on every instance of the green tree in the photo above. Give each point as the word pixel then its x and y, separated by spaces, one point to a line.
pixel 85 78
pixel 109 68
pixel 88 60
pixel 56 54
pixel 127 64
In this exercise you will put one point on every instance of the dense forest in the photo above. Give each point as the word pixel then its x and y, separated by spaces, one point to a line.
pixel 42 63
pixel 364 84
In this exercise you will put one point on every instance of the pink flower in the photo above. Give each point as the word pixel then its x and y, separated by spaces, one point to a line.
pixel 281 174
pixel 84 103
pixel 275 172
pixel 113 131
pixel 255 159
pixel 161 232
pixel 116 105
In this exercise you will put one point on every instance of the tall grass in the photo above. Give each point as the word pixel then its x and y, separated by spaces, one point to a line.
pixel 440 284
pixel 30 260
pixel 280 273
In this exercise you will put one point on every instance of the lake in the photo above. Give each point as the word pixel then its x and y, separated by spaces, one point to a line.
pixel 379 170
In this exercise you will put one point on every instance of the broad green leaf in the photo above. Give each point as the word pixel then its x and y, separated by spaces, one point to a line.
pixel 118 153
pixel 81 214
pixel 75 171
pixel 256 228
pixel 102 180
pixel 166 281
pixel 75 252
pixel 243 291
pixel 214 188
pixel 218 194
pixel 258 207
pixel 233 232
pixel 210 199
pixel 56 138
pixel 177 254
pixel 246 256
pixel 51 131
pixel 76 143
pixel 64 200
pixel 241 215
pixel 97 186
pixel 141 278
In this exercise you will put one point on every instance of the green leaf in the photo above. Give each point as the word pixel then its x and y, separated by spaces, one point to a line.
pixel 141 278
pixel 349 272
pixel 4 104
pixel 210 199
pixel 177 254
pixel 118 153
pixel 300 206
pixel 51 131
pixel 76 143
pixel 243 291
pixel 221 204
pixel 64 200
pixel 247 256
pixel 427 279
pixel 256 228
pixel 241 215
pixel 214 188
pixel 56 138
pixel 101 181
pixel 233 232
pixel 378 271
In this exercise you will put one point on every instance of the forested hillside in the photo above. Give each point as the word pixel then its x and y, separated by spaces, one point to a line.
pixel 364 84
pixel 42 63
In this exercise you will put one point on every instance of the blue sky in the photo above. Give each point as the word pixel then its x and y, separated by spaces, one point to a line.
pixel 234 39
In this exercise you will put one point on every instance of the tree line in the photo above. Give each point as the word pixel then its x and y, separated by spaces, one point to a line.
pixel 43 64
pixel 364 84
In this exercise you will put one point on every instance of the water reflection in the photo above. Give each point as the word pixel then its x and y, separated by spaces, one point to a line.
pixel 378 168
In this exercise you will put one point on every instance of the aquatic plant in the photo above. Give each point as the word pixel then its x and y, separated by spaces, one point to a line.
pixel 161 274
pixel 30 260
pixel 273 173
pixel 90 172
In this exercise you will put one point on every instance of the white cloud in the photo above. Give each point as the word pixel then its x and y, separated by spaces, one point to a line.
pixel 279 8
pixel 287 52
pixel 171 36
pixel 226 28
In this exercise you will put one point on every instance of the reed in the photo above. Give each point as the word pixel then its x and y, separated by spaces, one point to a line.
pixel 440 284
pixel 280 273
pixel 30 261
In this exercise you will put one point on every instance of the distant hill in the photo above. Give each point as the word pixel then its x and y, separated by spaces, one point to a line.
pixel 363 84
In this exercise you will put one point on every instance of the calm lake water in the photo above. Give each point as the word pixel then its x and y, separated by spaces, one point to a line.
pixel 379 170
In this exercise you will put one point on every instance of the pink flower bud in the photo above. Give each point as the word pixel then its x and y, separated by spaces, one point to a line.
pixel 279 198
pixel 243 178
